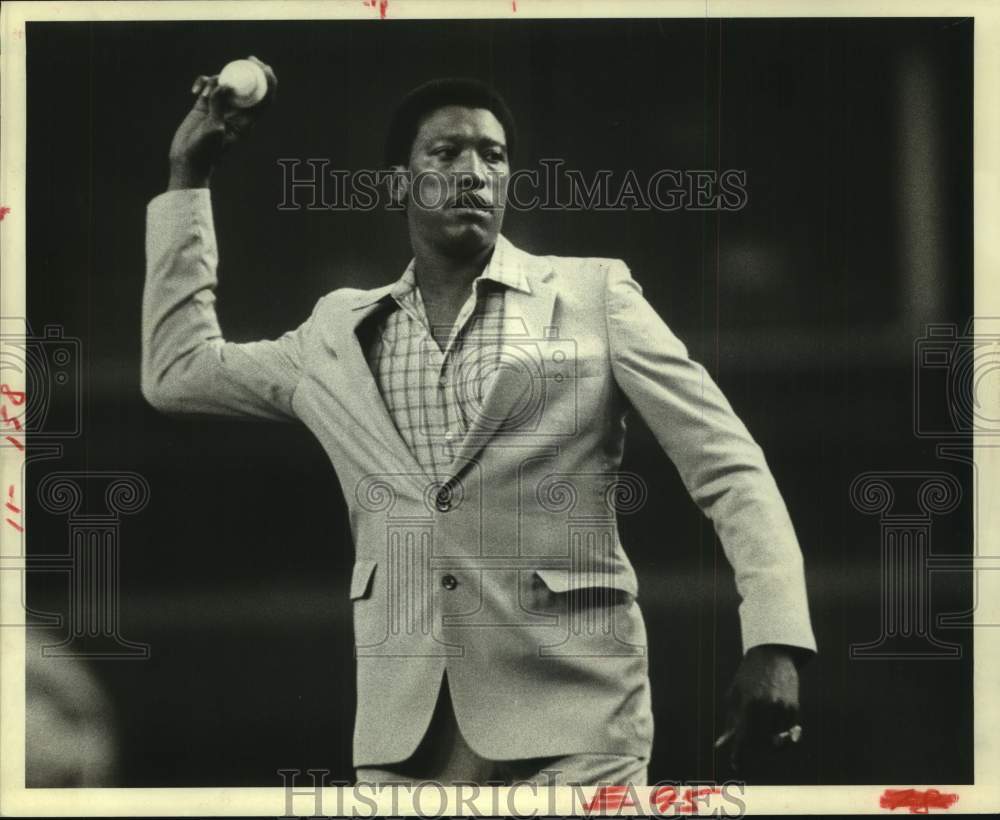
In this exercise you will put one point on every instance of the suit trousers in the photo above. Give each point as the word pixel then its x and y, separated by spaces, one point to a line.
pixel 445 757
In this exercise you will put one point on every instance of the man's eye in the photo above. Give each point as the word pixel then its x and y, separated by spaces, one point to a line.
pixel 495 156
pixel 446 153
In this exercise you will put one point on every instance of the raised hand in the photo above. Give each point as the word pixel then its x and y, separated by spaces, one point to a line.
pixel 213 124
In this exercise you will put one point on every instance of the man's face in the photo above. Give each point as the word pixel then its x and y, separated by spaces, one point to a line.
pixel 458 180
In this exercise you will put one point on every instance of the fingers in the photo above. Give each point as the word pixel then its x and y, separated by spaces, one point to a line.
pixel 724 738
pixel 202 89
pixel 236 125
pixel 199 84
pixel 787 738
pixel 784 719
pixel 272 83
pixel 220 99
pixel 272 79
pixel 210 95
pixel 232 121
pixel 756 730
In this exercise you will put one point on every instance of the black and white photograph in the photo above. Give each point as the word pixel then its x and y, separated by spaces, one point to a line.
pixel 498 408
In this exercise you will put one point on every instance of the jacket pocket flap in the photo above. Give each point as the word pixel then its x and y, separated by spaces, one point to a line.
pixel 562 580
pixel 361 578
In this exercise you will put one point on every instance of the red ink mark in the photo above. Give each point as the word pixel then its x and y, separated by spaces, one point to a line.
pixel 4 417
pixel 383 7
pixel 4 210
pixel 15 396
pixel 12 508
pixel 15 442
pixel 610 798
pixel 691 795
pixel 918 802
pixel 513 5
pixel 663 798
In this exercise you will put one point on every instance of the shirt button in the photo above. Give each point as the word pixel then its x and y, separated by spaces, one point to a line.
pixel 449 436
pixel 449 581
pixel 443 500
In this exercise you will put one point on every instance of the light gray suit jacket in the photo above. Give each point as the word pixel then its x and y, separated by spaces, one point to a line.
pixel 510 577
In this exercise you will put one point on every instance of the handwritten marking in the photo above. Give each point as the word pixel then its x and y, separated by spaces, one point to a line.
pixel 10 506
pixel 663 798
pixel 610 798
pixel 691 795
pixel 16 396
pixel 8 419
pixel 918 802
pixel 4 210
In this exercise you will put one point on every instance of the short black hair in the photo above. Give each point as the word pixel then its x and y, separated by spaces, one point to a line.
pixel 427 98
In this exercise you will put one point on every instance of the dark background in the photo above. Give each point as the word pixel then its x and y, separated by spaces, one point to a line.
pixel 856 139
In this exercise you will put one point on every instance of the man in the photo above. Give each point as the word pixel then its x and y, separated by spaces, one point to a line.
pixel 474 412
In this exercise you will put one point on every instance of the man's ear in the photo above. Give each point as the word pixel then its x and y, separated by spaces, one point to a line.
pixel 399 186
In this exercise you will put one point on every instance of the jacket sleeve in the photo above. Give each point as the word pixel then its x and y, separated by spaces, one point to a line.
pixel 187 366
pixel 721 465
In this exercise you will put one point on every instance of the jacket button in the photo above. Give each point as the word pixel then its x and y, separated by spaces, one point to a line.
pixel 449 581
pixel 443 500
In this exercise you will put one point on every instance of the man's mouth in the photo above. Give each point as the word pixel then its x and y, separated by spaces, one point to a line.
pixel 472 202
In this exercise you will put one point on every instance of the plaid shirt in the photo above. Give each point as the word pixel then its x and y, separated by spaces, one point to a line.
pixel 432 395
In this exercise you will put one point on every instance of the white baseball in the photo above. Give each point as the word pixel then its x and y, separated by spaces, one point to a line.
pixel 247 81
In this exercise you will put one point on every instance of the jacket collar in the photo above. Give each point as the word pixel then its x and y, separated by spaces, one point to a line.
pixel 508 265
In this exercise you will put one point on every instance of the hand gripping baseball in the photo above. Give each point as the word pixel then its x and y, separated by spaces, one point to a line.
pixel 215 122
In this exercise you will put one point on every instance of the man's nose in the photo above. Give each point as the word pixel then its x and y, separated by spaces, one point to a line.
pixel 471 172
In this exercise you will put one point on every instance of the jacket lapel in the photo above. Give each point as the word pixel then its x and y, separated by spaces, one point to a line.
pixel 526 325
pixel 527 320
pixel 359 390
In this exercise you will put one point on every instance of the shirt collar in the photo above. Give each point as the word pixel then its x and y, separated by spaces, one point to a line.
pixel 503 268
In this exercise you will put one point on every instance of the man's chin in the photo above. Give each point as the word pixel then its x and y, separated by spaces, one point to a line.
pixel 470 239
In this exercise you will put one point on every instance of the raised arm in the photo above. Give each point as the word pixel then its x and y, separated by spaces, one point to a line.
pixel 187 366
